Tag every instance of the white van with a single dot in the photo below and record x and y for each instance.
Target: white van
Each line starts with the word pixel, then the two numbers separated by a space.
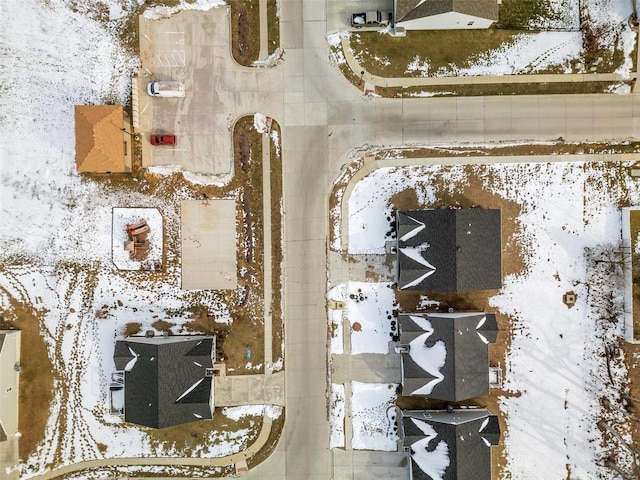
pixel 165 89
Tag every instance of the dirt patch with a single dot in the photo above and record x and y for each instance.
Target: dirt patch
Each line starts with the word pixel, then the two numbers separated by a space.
pixel 37 375
pixel 245 31
pixel 244 151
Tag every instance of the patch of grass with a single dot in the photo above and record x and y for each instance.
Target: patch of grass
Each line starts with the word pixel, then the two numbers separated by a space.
pixel 433 47
pixel 273 22
pixel 163 325
pixel 492 89
pixel 245 31
pixel 277 426
pixel 132 328
pixel 187 436
pixel 557 148
pixel 37 375
pixel 518 15
pixel 277 317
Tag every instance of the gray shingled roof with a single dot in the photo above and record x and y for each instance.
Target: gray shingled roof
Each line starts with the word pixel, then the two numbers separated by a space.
pixel 466 364
pixel 464 432
pixel 167 384
pixel 413 9
pixel 460 248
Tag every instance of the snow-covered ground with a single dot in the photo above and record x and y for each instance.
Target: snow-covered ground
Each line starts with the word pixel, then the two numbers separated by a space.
pixel 336 416
pixel 373 416
pixel 555 362
pixel 56 55
pixel 369 309
pixel 124 216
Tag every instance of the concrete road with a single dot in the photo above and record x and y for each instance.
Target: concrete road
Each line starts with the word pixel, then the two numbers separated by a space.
pixel 324 118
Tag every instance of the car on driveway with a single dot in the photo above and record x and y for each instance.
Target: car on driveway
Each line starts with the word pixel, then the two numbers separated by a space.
pixel 371 19
pixel 166 88
pixel 163 139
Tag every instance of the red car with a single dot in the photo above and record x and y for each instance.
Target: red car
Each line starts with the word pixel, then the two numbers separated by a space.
pixel 160 139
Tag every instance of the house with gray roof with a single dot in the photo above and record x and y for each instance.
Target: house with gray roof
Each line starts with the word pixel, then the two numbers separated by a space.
pixel 450 444
pixel 449 250
pixel 446 355
pixel 445 14
pixel 167 380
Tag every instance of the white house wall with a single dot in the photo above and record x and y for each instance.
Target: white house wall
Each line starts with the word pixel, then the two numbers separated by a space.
pixel 446 21
pixel 9 357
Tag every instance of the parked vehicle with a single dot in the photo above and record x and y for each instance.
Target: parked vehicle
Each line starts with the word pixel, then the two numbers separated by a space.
pixel 371 19
pixel 165 88
pixel 162 139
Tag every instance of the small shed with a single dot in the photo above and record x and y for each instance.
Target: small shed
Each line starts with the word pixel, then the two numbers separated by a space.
pixel 103 141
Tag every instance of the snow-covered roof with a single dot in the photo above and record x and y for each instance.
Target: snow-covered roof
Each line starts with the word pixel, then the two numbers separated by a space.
pixel 448 356
pixel 449 250
pixel 450 445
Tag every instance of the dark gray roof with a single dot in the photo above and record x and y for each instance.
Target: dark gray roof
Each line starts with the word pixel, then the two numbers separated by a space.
pixel 466 434
pixel 413 9
pixel 465 373
pixel 449 250
pixel 167 385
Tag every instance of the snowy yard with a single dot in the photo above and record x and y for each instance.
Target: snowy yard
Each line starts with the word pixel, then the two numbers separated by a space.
pixel 48 212
pixel 373 416
pixel 555 362
pixel 551 43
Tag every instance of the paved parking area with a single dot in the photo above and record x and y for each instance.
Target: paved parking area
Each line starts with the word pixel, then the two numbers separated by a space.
pixel 194 49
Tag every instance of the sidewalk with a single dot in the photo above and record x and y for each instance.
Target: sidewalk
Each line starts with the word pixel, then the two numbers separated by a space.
pixel 378 81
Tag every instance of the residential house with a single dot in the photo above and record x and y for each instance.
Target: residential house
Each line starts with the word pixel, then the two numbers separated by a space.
pixel 445 14
pixel 103 141
pixel 167 380
pixel 449 250
pixel 9 382
pixel 450 444
pixel 446 355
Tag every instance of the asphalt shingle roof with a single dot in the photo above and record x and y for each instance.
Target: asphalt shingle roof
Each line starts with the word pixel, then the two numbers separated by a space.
pixel 466 433
pixel 449 250
pixel 413 9
pixel 167 385
pixel 466 365
pixel 99 138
